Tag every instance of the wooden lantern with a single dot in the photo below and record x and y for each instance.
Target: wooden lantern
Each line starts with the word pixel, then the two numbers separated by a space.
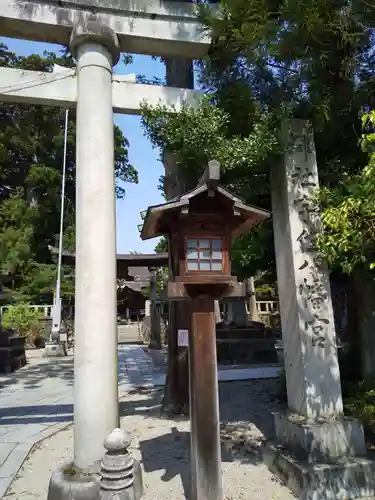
pixel 200 226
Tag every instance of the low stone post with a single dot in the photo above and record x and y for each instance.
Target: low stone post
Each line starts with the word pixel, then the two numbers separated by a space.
pixel 254 315
pixel 218 318
pixel 237 313
pixel 155 334
pixel 120 473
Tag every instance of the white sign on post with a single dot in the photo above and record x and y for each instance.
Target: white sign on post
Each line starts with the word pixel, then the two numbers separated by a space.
pixel 63 337
pixel 183 338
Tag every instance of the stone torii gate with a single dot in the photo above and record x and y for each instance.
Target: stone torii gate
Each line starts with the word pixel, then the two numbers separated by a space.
pixel 96 32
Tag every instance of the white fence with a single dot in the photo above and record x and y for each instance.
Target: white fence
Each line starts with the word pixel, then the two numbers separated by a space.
pixel 46 310
pixel 268 312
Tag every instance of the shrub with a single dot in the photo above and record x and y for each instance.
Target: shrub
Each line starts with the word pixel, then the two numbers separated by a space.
pixel 359 402
pixel 24 319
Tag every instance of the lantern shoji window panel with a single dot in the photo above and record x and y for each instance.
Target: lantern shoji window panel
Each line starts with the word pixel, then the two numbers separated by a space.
pixel 204 254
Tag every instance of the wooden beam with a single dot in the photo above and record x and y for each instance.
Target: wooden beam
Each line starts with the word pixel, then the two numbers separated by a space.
pixel 205 459
pixel 60 89
pixel 176 291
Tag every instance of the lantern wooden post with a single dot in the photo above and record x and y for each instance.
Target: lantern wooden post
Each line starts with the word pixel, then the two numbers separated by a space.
pixel 204 402
pixel 200 225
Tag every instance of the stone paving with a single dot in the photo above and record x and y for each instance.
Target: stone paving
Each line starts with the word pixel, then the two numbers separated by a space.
pixel 37 401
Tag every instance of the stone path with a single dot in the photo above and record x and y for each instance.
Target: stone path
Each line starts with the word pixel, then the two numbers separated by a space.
pixel 162 447
pixel 37 401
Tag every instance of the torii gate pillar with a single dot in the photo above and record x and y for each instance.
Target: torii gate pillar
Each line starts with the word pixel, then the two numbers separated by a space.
pixel 96 50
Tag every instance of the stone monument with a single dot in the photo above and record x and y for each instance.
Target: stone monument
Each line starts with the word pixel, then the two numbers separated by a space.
pixel 318 452
pixel 237 313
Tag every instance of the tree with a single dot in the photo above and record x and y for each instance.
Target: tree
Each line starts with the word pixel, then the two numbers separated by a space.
pixel 348 243
pixel 31 159
pixel 310 59
pixel 348 240
pixel 198 135
pixel 314 59
pixel 315 56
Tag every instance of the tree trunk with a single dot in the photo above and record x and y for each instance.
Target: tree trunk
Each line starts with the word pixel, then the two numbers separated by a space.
pixel 176 390
pixel 365 341
pixel 345 303
pixel 179 73
pixel 353 369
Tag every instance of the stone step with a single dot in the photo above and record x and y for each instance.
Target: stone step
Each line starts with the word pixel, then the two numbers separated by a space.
pixel 352 478
pixel 128 334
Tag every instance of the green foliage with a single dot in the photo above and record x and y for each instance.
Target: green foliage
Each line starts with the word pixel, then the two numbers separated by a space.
pixel 359 402
pixel 348 239
pixel 31 160
pixel 266 289
pixel 161 280
pixel 250 254
pixel 16 232
pixel 197 135
pixel 162 245
pixel 24 319
pixel 311 59
pixel 315 56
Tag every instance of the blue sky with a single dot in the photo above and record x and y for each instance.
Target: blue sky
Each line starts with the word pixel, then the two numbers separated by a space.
pixel 142 156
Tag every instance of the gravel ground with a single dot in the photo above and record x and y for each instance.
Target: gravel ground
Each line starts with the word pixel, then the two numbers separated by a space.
pixel 162 446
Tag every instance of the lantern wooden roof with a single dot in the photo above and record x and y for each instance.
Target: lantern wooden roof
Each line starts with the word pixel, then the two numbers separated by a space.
pixel 157 218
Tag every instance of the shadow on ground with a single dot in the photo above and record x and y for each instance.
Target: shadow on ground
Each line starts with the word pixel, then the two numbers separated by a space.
pixel 38 414
pixel 132 370
pixel 49 400
pixel 33 375
pixel 246 415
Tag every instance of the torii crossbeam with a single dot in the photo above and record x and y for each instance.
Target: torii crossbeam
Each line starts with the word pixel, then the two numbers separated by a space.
pixel 161 28
pixel 60 89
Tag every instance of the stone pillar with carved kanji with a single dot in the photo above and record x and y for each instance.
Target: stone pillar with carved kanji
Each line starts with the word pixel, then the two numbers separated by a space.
pixel 314 427
pixel 313 376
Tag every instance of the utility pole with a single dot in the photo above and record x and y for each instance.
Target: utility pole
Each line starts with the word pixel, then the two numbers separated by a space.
pixel 54 347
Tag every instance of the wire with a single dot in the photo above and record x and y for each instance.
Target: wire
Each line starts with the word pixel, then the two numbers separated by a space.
pixel 62 203
pixel 56 319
